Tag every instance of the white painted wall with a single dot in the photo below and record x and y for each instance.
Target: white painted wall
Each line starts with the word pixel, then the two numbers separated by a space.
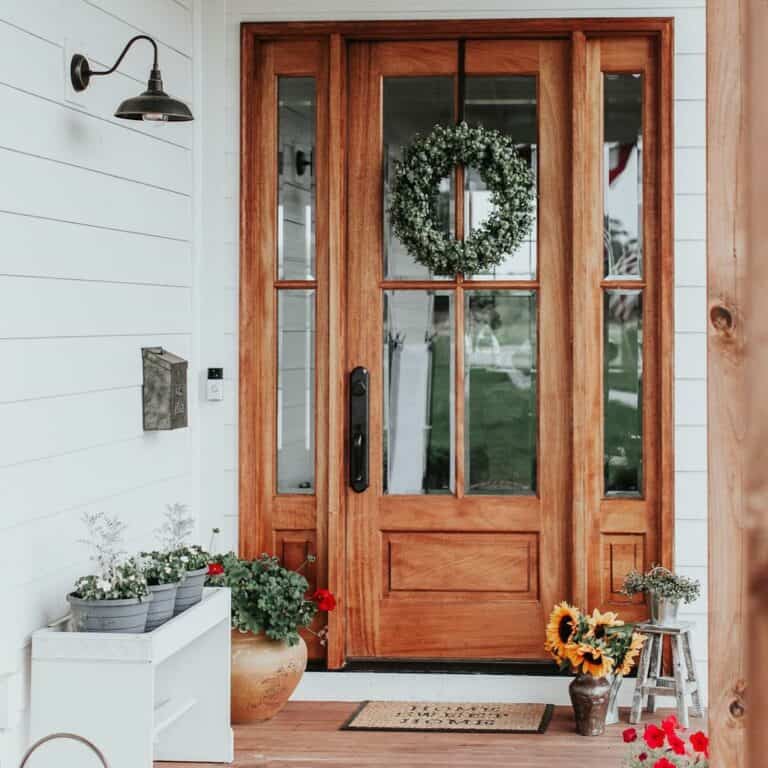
pixel 220 224
pixel 97 260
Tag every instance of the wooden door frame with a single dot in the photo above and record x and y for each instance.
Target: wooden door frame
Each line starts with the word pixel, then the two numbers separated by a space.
pixel 330 507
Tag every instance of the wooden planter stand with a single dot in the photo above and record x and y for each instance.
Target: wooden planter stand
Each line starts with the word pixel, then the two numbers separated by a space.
pixel 162 695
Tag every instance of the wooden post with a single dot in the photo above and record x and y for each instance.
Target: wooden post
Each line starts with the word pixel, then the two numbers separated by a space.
pixel 755 152
pixel 728 162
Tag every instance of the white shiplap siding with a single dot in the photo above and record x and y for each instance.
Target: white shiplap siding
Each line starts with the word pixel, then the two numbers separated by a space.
pixel 96 262
pixel 221 161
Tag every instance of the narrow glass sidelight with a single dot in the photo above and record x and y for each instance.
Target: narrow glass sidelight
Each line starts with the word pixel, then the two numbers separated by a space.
pixel 623 175
pixel 296 391
pixel 623 392
pixel 500 384
pixel 507 104
pixel 418 364
pixel 296 178
pixel 412 106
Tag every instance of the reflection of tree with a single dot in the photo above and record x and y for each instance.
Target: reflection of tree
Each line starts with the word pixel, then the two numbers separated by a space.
pixel 621 251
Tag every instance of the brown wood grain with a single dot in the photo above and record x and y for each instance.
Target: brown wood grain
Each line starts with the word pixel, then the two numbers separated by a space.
pixel 306 735
pixel 728 163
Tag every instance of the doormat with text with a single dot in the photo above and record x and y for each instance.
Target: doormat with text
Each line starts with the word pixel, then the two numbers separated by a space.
pixel 450 716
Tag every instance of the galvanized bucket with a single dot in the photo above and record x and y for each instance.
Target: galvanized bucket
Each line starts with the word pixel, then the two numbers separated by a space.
pixel 129 615
pixel 71 737
pixel 190 590
pixel 162 605
pixel 663 610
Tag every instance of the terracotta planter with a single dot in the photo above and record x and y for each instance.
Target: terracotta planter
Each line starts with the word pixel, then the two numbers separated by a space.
pixel 264 675
pixel 590 696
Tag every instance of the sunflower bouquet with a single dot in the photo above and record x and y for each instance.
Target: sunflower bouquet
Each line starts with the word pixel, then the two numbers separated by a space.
pixel 597 645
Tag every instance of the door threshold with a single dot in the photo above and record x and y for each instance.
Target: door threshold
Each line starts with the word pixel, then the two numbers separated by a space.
pixel 459 667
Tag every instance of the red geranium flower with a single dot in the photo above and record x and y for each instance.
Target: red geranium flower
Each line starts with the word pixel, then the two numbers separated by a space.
pixel 669 725
pixel 676 743
pixel 629 735
pixel 215 569
pixel 663 763
pixel 324 599
pixel 654 737
pixel 642 757
pixel 700 742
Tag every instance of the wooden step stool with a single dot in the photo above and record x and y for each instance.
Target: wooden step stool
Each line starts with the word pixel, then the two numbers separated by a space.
pixel 651 682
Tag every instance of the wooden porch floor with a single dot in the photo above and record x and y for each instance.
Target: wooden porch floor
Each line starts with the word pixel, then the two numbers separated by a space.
pixel 306 734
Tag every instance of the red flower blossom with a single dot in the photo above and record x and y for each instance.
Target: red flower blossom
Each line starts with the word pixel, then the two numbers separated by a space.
pixel 669 725
pixel 700 742
pixel 629 735
pixel 654 737
pixel 215 569
pixel 676 743
pixel 663 763
pixel 324 599
pixel 642 757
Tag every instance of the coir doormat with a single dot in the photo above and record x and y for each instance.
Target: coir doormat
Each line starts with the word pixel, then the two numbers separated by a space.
pixel 449 717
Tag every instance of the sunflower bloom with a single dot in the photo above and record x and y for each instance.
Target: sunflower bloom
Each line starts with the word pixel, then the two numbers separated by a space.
pixel 631 655
pixel 591 660
pixel 562 625
pixel 599 623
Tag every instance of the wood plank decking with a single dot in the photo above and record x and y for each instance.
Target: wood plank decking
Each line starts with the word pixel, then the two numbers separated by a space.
pixel 305 734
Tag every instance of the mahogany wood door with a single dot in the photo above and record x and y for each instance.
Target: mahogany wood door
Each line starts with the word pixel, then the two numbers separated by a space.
pixel 460 545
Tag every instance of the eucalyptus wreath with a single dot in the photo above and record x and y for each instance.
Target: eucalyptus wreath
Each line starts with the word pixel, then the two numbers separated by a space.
pixel 413 206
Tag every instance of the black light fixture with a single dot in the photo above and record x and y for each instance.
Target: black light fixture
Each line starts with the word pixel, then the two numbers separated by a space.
pixel 153 105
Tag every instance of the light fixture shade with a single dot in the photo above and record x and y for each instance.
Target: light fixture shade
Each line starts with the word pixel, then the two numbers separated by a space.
pixel 154 105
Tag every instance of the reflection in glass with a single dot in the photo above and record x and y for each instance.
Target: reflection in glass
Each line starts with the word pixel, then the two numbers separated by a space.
pixel 506 104
pixel 296 391
pixel 296 179
pixel 418 392
pixel 500 392
pixel 623 175
pixel 413 105
pixel 623 392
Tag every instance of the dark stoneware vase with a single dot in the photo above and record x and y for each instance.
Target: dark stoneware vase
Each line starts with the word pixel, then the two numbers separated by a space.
pixel 590 696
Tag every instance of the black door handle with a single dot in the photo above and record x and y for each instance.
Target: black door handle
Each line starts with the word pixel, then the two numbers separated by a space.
pixel 358 429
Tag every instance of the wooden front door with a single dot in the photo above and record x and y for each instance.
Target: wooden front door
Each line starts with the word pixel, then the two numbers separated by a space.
pixel 460 544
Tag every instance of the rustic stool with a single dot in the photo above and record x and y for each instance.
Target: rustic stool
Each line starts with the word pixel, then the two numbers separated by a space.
pixel 651 682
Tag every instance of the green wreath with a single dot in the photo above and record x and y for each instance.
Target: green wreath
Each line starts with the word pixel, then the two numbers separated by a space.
pixel 413 205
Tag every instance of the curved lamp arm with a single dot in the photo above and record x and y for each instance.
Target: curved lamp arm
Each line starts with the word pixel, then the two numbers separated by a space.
pixel 81 72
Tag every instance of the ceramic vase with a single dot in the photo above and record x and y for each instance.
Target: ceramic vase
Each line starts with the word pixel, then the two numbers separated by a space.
pixel 589 696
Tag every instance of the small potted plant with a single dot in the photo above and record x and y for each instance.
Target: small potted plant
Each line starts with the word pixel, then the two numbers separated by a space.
pixel 269 607
pixel 665 590
pixel 598 649
pixel 116 597
pixel 666 746
pixel 164 573
pixel 173 535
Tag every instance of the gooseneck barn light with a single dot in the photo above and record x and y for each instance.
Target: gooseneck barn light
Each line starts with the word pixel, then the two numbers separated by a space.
pixel 153 105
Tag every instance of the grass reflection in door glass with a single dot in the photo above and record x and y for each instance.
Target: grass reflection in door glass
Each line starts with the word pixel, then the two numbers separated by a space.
pixel 500 392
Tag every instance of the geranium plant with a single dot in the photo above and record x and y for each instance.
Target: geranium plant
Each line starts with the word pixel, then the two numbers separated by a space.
pixel 115 576
pixel 597 645
pixel 266 597
pixel 664 583
pixel 666 746
pixel 162 567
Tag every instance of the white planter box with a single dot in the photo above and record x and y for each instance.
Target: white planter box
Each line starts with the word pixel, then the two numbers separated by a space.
pixel 162 695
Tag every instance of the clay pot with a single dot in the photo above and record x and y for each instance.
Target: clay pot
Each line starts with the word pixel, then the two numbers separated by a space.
pixel 590 696
pixel 264 675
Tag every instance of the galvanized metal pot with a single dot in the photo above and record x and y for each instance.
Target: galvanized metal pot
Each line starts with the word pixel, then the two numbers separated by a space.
pixel 664 610
pixel 129 615
pixel 162 606
pixel 589 696
pixel 190 591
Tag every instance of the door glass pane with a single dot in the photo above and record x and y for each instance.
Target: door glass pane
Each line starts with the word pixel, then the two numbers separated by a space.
pixel 500 392
pixel 296 391
pixel 418 392
pixel 413 105
pixel 623 175
pixel 296 179
pixel 506 104
pixel 623 392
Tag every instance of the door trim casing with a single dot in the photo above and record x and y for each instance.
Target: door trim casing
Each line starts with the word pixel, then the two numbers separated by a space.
pixel 331 527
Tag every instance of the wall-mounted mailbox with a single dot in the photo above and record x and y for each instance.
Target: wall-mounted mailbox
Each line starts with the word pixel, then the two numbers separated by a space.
pixel 165 389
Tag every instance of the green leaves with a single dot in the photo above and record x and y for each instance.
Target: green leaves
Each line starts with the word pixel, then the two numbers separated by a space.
pixel 265 596
pixel 413 209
